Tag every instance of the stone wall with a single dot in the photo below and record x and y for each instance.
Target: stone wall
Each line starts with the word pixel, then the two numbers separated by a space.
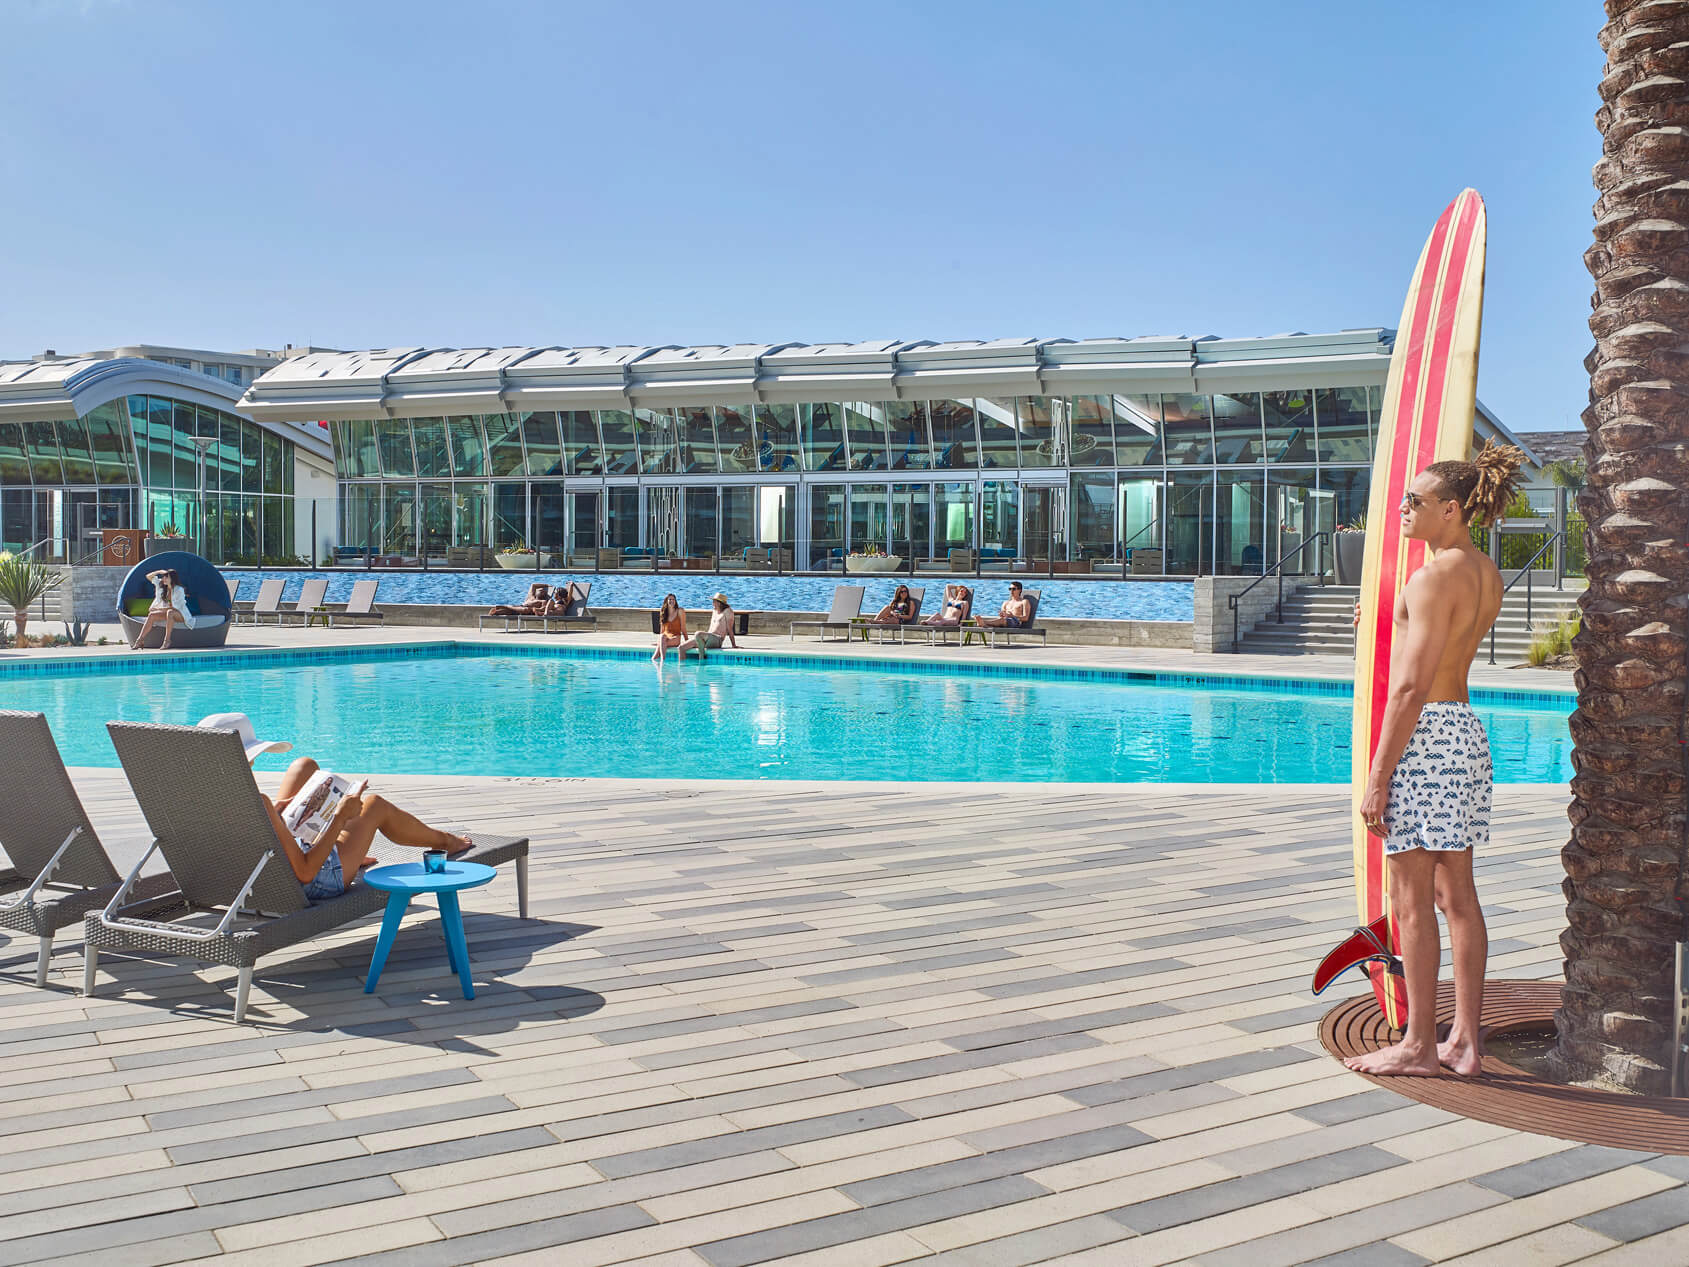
pixel 90 593
pixel 1212 628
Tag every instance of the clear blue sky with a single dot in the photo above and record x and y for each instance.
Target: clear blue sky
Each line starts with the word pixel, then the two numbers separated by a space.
pixel 373 174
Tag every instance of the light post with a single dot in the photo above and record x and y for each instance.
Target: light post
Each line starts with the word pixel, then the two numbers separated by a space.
pixel 202 444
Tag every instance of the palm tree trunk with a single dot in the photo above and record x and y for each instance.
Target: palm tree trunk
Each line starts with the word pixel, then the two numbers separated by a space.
pixel 1625 863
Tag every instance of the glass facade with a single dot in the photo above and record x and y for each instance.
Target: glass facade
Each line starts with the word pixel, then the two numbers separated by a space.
pixel 1159 484
pixel 136 462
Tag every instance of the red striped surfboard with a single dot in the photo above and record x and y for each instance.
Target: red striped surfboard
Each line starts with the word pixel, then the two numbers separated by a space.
pixel 1429 400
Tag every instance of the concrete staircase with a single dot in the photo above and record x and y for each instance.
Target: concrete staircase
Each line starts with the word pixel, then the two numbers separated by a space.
pixel 1318 621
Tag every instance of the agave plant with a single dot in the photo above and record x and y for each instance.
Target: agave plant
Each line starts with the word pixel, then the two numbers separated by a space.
pixel 22 581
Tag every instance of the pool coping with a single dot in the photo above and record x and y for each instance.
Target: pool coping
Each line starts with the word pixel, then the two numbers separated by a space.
pixel 455 648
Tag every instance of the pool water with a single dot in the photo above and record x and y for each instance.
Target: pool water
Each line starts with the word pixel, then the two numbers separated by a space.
pixel 472 709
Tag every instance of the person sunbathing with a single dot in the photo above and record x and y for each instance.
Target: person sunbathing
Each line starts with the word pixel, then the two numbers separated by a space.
pixel 722 622
pixel 671 626
pixel 327 865
pixel 958 601
pixel 533 605
pixel 1015 613
pixel 900 611
pixel 562 598
pixel 169 608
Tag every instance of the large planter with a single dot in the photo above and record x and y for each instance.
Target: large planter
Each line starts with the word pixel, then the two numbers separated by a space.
pixel 1350 551
pixel 517 562
pixel 873 563
pixel 159 545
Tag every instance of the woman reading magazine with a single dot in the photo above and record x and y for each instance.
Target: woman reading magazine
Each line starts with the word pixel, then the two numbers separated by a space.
pixel 326 825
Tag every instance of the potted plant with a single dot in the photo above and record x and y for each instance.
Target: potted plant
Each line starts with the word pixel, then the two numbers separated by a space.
pixel 1349 549
pixel 517 558
pixel 167 536
pixel 22 582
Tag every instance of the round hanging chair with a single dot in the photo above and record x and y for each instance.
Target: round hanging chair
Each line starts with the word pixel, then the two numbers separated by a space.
pixel 209 601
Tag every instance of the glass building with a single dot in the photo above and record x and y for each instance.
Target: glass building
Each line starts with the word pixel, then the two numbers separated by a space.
pixel 89 443
pixel 1115 456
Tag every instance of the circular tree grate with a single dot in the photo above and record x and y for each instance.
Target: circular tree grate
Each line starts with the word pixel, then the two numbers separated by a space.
pixel 1514 1097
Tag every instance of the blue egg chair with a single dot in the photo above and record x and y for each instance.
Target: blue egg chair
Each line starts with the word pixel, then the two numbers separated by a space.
pixel 209 601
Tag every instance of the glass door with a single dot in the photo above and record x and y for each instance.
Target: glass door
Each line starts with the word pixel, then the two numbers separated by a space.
pixel 550 518
pixel 1043 526
pixel 584 528
pixel 911 523
pixel 1190 520
pixel 1140 524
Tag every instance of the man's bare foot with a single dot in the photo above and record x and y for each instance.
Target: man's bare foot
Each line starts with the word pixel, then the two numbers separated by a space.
pixel 1398 1060
pixel 1463 1057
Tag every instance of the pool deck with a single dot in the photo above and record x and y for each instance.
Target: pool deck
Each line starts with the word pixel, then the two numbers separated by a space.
pixel 808 1024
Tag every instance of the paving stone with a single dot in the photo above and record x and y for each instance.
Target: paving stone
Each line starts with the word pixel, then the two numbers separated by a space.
pixel 1551 1171
pixel 717 1146
pixel 1264 1185
pixel 1351 1107
pixel 1643 1217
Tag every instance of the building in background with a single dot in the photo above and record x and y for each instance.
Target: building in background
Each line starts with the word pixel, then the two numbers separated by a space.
pixel 1158 456
pixel 98 442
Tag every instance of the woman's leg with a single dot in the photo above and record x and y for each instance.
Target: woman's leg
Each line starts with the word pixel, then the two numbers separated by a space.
pixel 146 628
pixel 172 618
pixel 378 814
pixel 295 778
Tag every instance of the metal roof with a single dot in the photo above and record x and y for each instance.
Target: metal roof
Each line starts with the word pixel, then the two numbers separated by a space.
pixel 403 382
pixel 36 391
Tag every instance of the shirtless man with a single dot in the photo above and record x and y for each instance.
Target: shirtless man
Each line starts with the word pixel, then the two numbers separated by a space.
pixel 722 620
pixel 1013 614
pixel 1428 791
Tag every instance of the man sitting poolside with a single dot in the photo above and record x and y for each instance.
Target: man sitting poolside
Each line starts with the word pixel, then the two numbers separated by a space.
pixel 533 605
pixel 1015 613
pixel 721 630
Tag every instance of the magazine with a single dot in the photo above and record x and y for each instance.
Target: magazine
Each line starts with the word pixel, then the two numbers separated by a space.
pixel 309 813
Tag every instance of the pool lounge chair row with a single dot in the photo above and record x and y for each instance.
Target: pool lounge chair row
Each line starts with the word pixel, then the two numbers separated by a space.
pixel 229 897
pixel 360 605
pixel 846 615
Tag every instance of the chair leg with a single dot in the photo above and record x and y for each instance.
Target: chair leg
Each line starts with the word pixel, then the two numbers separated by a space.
pixel 42 955
pixel 522 887
pixel 90 959
pixel 243 991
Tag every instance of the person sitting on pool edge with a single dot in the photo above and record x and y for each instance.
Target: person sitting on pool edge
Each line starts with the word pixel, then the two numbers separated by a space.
pixel 538 596
pixel 958 602
pixel 900 611
pixel 723 620
pixel 1015 612
pixel 327 865
pixel 671 626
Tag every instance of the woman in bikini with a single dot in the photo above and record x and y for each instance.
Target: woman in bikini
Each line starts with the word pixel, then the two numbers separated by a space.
pixel 900 611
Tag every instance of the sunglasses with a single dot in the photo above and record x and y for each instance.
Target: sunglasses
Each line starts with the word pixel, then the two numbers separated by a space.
pixel 1413 501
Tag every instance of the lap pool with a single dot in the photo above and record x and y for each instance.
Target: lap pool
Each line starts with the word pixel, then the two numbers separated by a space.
pixel 469 708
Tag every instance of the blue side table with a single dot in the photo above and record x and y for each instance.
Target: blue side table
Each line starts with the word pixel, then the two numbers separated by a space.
pixel 405 880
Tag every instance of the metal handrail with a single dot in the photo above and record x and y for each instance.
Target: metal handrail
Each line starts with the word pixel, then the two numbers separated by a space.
pixel 1278 569
pixel 1530 564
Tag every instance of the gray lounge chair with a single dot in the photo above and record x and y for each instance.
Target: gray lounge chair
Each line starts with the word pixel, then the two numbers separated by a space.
pixel 57 858
pixel 847 606
pixel 1030 629
pixel 310 599
pixel 268 602
pixel 360 605
pixel 943 632
pixel 235 898
pixel 917 596
pixel 575 615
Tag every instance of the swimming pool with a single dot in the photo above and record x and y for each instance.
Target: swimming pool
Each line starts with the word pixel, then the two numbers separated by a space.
pixel 470 708
pixel 1068 600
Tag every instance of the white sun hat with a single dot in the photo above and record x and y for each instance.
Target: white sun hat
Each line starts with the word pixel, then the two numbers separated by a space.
pixel 241 724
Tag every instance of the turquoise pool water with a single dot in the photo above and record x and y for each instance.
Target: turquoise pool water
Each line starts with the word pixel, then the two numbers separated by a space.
pixel 475 709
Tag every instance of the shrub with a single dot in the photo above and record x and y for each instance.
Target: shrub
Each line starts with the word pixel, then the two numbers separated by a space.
pixel 1556 640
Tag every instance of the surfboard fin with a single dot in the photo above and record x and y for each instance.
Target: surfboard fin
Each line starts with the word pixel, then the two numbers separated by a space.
pixel 1368 944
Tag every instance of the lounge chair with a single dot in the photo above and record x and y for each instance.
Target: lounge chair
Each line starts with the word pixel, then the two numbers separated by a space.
pixel 234 897
pixel 360 605
pixel 57 858
pixel 847 606
pixel 310 600
pixel 917 595
pixel 943 632
pixel 1030 629
pixel 575 615
pixel 268 602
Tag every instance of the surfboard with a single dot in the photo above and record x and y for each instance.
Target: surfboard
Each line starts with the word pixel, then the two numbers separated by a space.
pixel 1430 396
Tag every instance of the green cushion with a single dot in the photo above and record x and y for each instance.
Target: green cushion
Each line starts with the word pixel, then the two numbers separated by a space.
pixel 138 607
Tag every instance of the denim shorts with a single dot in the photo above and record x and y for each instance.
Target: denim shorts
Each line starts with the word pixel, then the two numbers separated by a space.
pixel 329 882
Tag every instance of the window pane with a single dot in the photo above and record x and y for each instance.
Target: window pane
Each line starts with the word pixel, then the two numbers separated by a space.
pixel 539 434
pixel 868 518
pixel 865 425
pixel 697 440
pixel 1091 438
pixel 432 459
pixel 1137 429
pixel 621 516
pixel 108 437
pixel 826 525
pixel 998 429
pixel 467 446
pixel 700 539
pixel 78 458
pixel 469 514
pixel 655 428
pixel 733 434
pixel 156 462
pixel 911 520
pixel 228 458
pixel 42 440
pixel 621 453
pixel 1037 423
pixel 1187 439
pixel 272 462
pixel 906 424
pixel 777 437
pixel 1190 523
pixel 398 518
pixel 999 519
pixel 1340 415
pixel 953 518
pixel 504 444
pixel 953 442
pixel 14 462
pixel 185 426
pixel 287 467
pixel 822 425
pixel 1290 425
pixel 1291 518
pixel 580 443
pixel 510 515
pixel 1091 503
pixel 361 455
pixel 251 474
pixel 393 438
pixel 1140 522
pixel 738 521
pixel 1240 522
pixel 1237 428
pixel 548 513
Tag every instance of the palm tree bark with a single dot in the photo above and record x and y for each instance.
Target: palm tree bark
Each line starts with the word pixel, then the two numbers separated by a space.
pixel 1625 864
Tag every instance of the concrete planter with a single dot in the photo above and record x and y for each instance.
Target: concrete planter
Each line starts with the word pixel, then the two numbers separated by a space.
pixel 1350 549
pixel 873 563
pixel 158 545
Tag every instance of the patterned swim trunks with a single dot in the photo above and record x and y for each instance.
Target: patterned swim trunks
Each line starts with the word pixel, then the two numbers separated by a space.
pixel 1441 789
